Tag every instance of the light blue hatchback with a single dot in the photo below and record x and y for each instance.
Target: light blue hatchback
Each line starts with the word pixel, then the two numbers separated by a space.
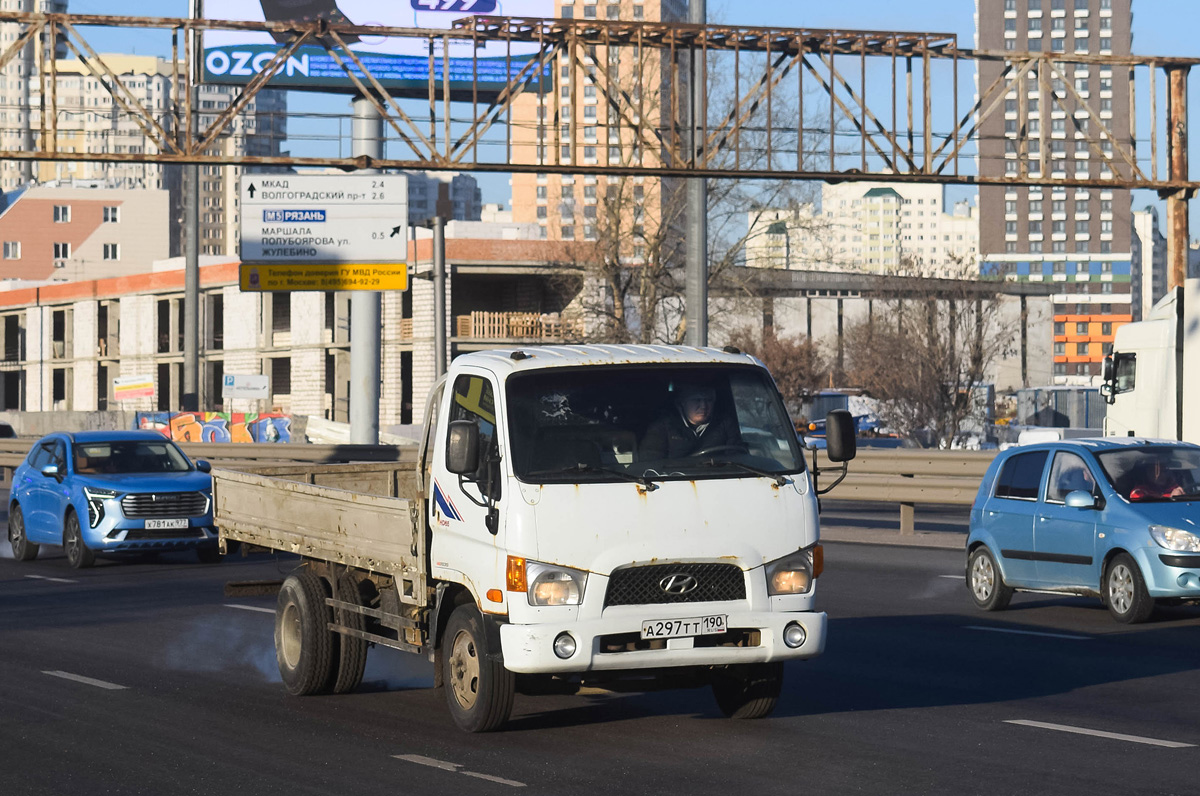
pixel 1116 517
pixel 110 492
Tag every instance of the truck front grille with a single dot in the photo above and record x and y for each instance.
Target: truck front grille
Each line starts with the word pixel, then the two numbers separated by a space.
pixel 645 585
pixel 164 504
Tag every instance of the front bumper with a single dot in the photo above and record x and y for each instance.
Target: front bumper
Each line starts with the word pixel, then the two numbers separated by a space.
pixel 612 643
pixel 130 536
pixel 1170 574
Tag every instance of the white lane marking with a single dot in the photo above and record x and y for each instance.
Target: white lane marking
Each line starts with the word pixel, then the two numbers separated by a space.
pixel 257 608
pixel 88 681
pixel 953 577
pixel 429 761
pixel 1116 736
pixel 457 769
pixel 52 580
pixel 500 780
pixel 1027 632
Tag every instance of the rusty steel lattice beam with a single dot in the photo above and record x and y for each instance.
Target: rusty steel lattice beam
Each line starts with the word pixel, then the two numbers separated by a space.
pixel 781 104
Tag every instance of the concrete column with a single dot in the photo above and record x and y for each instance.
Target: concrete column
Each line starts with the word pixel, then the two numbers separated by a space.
pixel 367 139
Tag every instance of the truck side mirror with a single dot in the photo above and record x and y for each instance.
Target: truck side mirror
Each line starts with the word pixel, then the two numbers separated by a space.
pixel 462 447
pixel 203 466
pixel 840 444
pixel 1107 369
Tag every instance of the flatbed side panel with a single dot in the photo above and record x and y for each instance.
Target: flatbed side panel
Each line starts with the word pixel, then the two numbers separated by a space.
pixel 375 533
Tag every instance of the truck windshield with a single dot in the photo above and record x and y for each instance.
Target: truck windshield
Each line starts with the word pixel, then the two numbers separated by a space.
pixel 649 423
pixel 1156 472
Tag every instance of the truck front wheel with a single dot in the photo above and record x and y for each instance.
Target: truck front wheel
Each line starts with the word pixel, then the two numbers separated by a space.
pixel 304 645
pixel 479 690
pixel 749 690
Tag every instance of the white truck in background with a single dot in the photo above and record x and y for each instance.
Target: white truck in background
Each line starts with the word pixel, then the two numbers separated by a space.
pixel 1151 384
pixel 540 543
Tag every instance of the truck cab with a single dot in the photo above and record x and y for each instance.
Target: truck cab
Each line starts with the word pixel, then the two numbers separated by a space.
pixel 1153 362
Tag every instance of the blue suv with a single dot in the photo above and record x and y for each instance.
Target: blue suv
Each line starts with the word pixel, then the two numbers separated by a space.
pixel 1117 518
pixel 110 492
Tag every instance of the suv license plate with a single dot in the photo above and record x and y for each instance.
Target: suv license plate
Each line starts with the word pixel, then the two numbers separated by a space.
pixel 158 525
pixel 679 628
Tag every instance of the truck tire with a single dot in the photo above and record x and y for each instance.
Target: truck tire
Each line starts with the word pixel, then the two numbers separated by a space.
pixel 479 690
pixel 22 548
pixel 748 690
pixel 304 644
pixel 351 659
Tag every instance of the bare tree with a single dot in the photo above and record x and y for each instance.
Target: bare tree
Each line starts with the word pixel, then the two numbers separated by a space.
pixel 927 362
pixel 798 364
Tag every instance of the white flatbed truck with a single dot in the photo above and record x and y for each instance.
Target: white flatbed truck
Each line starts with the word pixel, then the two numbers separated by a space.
pixel 541 539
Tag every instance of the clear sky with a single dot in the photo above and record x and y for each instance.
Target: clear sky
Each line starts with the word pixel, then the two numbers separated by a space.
pixel 1160 27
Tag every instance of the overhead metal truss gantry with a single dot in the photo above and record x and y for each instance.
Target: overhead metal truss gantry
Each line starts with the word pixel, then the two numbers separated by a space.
pixel 782 104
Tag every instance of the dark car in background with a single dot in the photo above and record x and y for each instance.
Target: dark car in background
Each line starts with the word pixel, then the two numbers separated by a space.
pixel 110 492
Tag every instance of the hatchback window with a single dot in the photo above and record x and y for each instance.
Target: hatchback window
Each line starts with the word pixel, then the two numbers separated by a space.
pixel 1157 472
pixel 1021 475
pixel 1068 474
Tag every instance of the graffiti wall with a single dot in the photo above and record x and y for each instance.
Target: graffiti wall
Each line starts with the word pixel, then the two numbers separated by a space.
pixel 218 426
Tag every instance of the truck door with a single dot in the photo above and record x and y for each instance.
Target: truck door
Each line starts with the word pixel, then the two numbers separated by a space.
pixel 1064 538
pixel 460 505
pixel 1009 513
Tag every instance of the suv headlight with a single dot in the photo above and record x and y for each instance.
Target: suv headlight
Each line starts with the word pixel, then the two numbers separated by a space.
pixel 1175 538
pixel 795 572
pixel 550 584
pixel 95 502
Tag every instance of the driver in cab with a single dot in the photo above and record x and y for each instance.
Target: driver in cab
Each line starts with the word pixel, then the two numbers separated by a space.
pixel 691 425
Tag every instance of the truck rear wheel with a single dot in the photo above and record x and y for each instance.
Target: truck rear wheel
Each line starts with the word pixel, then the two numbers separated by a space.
pixel 479 690
pixel 304 645
pixel 748 691
pixel 351 659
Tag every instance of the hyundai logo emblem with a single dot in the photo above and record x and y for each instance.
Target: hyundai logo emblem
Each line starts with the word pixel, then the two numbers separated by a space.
pixel 678 583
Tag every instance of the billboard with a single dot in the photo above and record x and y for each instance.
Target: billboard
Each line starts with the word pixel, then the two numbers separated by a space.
pixel 400 64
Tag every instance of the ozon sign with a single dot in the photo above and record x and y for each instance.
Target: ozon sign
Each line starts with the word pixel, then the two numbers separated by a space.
pixel 244 63
pixel 400 63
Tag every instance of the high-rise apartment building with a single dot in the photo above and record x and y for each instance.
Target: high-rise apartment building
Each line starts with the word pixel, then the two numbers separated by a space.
pixel 18 81
pixel 1149 278
pixel 91 121
pixel 1079 237
pixel 874 227
pixel 629 211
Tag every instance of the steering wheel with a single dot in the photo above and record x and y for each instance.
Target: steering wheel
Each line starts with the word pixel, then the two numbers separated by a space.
pixel 739 447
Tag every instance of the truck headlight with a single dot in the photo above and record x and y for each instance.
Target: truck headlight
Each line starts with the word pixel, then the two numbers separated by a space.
pixel 795 572
pixel 95 503
pixel 550 584
pixel 1175 538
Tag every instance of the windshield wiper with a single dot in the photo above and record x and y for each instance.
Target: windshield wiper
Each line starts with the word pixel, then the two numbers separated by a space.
pixel 780 479
pixel 584 467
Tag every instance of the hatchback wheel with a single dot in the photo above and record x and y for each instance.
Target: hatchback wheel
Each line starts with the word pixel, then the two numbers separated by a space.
pixel 1125 591
pixel 78 554
pixel 987 587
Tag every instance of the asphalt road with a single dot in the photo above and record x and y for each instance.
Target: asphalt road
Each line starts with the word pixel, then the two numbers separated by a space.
pixel 144 678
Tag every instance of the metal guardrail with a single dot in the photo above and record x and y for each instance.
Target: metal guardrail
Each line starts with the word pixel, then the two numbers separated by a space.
pixel 904 477
pixel 909 477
